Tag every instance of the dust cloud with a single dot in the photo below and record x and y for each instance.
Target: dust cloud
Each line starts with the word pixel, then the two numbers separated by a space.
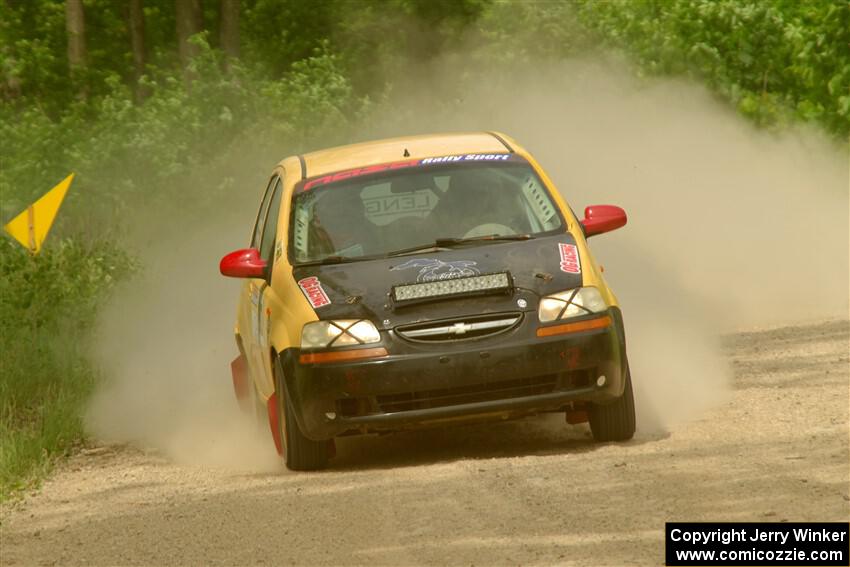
pixel 165 345
pixel 729 227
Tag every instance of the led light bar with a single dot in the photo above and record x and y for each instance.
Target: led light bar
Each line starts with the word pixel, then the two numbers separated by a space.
pixel 454 286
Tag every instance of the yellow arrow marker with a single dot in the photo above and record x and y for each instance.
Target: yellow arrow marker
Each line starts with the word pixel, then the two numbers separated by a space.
pixel 30 228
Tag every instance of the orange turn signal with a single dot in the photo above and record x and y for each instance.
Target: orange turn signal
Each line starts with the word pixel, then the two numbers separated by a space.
pixel 341 355
pixel 587 325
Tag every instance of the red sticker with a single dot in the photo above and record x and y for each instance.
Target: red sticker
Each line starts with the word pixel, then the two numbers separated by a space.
pixel 569 258
pixel 314 292
pixel 357 172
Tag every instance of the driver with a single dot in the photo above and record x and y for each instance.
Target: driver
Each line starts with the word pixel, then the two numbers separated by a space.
pixel 478 203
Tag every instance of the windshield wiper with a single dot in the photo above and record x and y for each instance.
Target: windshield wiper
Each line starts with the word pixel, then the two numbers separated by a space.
pixel 327 260
pixel 487 238
pixel 413 249
pixel 452 242
pixel 438 244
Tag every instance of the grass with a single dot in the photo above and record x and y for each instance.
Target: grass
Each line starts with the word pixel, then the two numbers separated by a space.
pixel 41 414
pixel 48 304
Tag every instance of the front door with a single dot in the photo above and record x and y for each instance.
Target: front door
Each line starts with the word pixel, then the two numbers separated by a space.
pixel 259 359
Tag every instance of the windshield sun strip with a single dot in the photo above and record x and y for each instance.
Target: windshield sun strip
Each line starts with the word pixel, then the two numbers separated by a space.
pixel 381 169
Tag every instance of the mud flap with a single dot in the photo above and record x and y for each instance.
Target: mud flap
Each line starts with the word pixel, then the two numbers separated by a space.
pixel 577 414
pixel 574 417
pixel 241 383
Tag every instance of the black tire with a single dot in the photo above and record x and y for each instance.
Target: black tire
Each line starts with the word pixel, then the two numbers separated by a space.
pixel 615 421
pixel 299 452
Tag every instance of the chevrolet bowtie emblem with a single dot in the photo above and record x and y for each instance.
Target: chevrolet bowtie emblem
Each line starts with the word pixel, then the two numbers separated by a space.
pixel 460 328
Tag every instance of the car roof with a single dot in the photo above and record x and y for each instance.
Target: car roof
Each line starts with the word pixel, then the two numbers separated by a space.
pixel 399 149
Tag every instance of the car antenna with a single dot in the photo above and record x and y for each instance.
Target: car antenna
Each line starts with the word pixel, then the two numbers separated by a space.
pixel 406 153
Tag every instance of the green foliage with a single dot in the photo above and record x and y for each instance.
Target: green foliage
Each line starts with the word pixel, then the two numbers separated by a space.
pixel 277 34
pixel 48 304
pixel 775 60
pixel 32 46
pixel 524 32
pixel 123 152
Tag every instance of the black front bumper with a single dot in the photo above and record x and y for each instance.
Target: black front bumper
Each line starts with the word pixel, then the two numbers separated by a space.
pixel 513 374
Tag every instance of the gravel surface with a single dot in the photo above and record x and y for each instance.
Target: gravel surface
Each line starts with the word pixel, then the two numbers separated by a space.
pixel 521 493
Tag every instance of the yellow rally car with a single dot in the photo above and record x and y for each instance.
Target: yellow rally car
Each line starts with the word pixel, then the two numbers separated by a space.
pixel 422 281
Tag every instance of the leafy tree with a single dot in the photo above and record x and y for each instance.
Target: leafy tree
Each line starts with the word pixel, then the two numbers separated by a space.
pixel 775 60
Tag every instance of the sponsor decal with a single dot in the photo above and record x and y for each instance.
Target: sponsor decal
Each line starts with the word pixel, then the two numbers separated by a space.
pixel 314 292
pixel 467 157
pixel 436 270
pixel 569 258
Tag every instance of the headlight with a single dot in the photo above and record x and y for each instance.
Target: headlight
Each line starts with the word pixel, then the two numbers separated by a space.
pixel 341 332
pixel 571 303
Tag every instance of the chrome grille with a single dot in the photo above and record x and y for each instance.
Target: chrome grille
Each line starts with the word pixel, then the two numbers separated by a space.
pixel 461 328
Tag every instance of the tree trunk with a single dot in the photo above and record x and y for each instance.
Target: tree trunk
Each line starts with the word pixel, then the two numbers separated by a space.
pixel 137 43
pixel 189 22
pixel 75 25
pixel 230 29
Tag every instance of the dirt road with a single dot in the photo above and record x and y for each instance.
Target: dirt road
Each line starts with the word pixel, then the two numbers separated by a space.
pixel 532 492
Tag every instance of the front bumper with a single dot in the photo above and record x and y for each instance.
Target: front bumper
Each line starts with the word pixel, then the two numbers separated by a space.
pixel 419 385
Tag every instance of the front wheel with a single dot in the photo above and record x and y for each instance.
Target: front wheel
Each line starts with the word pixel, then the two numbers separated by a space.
pixel 299 452
pixel 615 421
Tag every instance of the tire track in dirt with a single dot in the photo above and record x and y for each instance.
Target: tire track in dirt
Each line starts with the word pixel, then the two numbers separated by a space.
pixel 529 492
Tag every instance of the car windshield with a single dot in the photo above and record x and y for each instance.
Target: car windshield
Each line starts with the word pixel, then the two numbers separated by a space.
pixel 400 208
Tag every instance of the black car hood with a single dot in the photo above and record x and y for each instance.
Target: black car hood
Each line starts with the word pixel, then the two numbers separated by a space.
pixel 361 290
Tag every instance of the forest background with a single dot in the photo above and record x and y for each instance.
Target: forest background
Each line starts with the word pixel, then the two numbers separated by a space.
pixel 144 98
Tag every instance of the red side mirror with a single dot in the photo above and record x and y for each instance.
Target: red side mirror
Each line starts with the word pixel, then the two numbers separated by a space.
pixel 602 218
pixel 244 263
